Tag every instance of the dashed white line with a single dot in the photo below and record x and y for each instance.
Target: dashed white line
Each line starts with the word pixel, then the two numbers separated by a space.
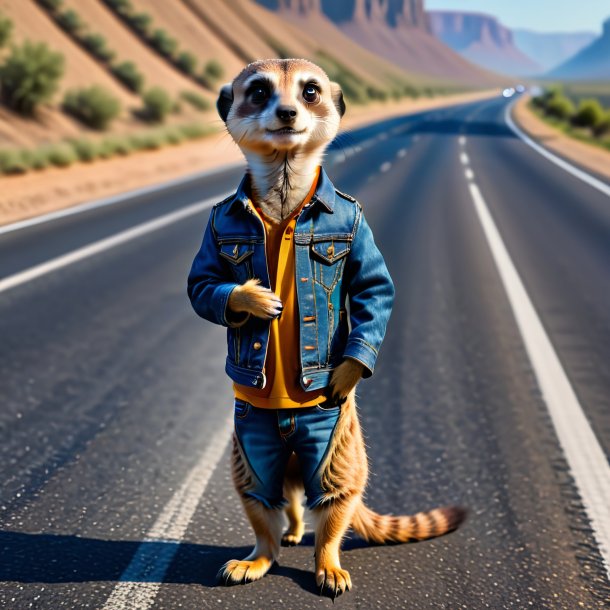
pixel 385 166
pixel 464 158
pixel 469 174
pixel 140 582
pixel 583 452
pixel 401 153
pixel 105 244
pixel 462 140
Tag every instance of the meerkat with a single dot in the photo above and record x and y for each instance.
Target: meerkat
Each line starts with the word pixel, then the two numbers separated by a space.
pixel 283 114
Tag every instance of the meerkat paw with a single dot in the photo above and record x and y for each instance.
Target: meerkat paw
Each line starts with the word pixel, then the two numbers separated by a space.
pixel 293 536
pixel 333 581
pixel 256 300
pixel 236 572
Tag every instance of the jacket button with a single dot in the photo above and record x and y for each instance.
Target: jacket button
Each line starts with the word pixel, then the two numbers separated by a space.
pixel 255 381
pixel 257 345
pixel 306 381
pixel 330 250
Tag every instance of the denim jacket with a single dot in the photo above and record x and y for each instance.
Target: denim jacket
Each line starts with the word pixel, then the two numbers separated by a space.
pixel 344 291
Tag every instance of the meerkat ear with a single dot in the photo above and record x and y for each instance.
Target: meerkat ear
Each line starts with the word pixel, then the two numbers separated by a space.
pixel 225 101
pixel 337 96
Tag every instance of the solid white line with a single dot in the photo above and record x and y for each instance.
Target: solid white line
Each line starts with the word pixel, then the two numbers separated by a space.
pixel 469 174
pixel 105 244
pixel 568 167
pixel 583 452
pixel 464 158
pixel 99 203
pixel 385 166
pixel 140 582
pixel 462 140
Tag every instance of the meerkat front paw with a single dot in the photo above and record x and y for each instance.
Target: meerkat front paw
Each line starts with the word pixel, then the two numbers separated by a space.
pixel 255 299
pixel 236 572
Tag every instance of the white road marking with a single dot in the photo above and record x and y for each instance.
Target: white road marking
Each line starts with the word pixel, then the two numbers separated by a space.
pixel 401 153
pixel 462 140
pixel 583 452
pixel 140 582
pixel 568 167
pixel 105 244
pixel 464 158
pixel 99 203
pixel 469 174
pixel 385 166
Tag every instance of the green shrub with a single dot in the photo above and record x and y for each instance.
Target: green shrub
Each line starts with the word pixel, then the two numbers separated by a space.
pixel 379 94
pixel 70 21
pixel 13 162
pixel 150 140
pixel 6 29
pixel 37 159
pixel 30 76
pixel 157 104
pixel 192 131
pixel 164 43
pixel 128 73
pixel 187 62
pixel 213 70
pixel 94 106
pixel 52 5
pixel 588 114
pixel 140 22
pixel 61 155
pixel 559 107
pixel 115 145
pixel 124 7
pixel 603 126
pixel 96 43
pixel 86 150
pixel 196 100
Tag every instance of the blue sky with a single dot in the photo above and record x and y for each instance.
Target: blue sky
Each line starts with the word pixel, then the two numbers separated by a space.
pixel 540 15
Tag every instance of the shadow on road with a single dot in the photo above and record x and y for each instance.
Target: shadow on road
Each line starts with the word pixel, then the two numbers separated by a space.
pixel 465 128
pixel 55 558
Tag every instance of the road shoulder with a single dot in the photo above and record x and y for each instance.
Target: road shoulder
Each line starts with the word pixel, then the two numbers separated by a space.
pixel 587 156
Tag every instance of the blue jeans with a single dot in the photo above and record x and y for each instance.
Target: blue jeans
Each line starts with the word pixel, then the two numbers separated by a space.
pixel 268 437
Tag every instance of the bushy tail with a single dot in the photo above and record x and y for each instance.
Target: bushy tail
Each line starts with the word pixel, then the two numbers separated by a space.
pixel 380 529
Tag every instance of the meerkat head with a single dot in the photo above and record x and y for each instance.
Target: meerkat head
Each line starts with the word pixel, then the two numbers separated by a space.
pixel 284 105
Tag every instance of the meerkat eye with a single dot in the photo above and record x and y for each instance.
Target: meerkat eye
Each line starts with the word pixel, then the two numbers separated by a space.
pixel 259 94
pixel 311 93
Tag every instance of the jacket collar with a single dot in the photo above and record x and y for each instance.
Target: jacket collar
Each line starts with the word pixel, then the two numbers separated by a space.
pixel 324 194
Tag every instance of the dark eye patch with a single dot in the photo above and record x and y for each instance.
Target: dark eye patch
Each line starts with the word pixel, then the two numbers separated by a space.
pixel 259 91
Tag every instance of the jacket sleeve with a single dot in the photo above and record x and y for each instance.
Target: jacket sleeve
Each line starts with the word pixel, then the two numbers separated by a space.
pixel 208 285
pixel 371 296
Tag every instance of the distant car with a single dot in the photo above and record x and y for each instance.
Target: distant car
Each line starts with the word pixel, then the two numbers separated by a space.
pixel 509 92
pixel 520 88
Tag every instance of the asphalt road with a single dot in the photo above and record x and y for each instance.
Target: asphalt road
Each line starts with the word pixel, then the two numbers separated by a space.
pixel 112 391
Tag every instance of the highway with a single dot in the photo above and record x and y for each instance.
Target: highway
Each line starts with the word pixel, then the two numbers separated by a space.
pixel 115 416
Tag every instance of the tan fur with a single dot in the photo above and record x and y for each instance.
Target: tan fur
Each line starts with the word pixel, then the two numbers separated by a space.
pixel 255 299
pixel 282 170
pixel 282 167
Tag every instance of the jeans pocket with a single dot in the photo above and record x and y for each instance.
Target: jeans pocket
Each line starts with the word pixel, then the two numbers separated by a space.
pixel 242 409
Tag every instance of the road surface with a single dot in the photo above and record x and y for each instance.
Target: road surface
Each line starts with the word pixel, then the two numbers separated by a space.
pixel 115 489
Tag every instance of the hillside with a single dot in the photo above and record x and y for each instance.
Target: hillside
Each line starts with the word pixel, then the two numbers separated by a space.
pixel 398 31
pixel 592 63
pixel 483 40
pixel 549 49
pixel 155 37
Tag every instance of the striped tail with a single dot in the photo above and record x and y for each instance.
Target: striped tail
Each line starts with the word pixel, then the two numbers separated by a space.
pixel 380 529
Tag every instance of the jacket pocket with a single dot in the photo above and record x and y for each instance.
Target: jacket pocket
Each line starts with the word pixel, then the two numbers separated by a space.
pixel 239 255
pixel 328 257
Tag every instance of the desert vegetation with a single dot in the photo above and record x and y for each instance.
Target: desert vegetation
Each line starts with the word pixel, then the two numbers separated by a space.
pixel 587 120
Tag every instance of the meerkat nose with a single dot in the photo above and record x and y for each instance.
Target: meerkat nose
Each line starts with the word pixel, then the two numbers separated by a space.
pixel 286 114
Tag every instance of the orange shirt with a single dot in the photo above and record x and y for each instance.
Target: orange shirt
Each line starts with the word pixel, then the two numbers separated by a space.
pixel 282 364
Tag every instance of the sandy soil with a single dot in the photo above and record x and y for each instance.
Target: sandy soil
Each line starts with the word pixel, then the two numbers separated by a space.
pixel 590 156
pixel 42 192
